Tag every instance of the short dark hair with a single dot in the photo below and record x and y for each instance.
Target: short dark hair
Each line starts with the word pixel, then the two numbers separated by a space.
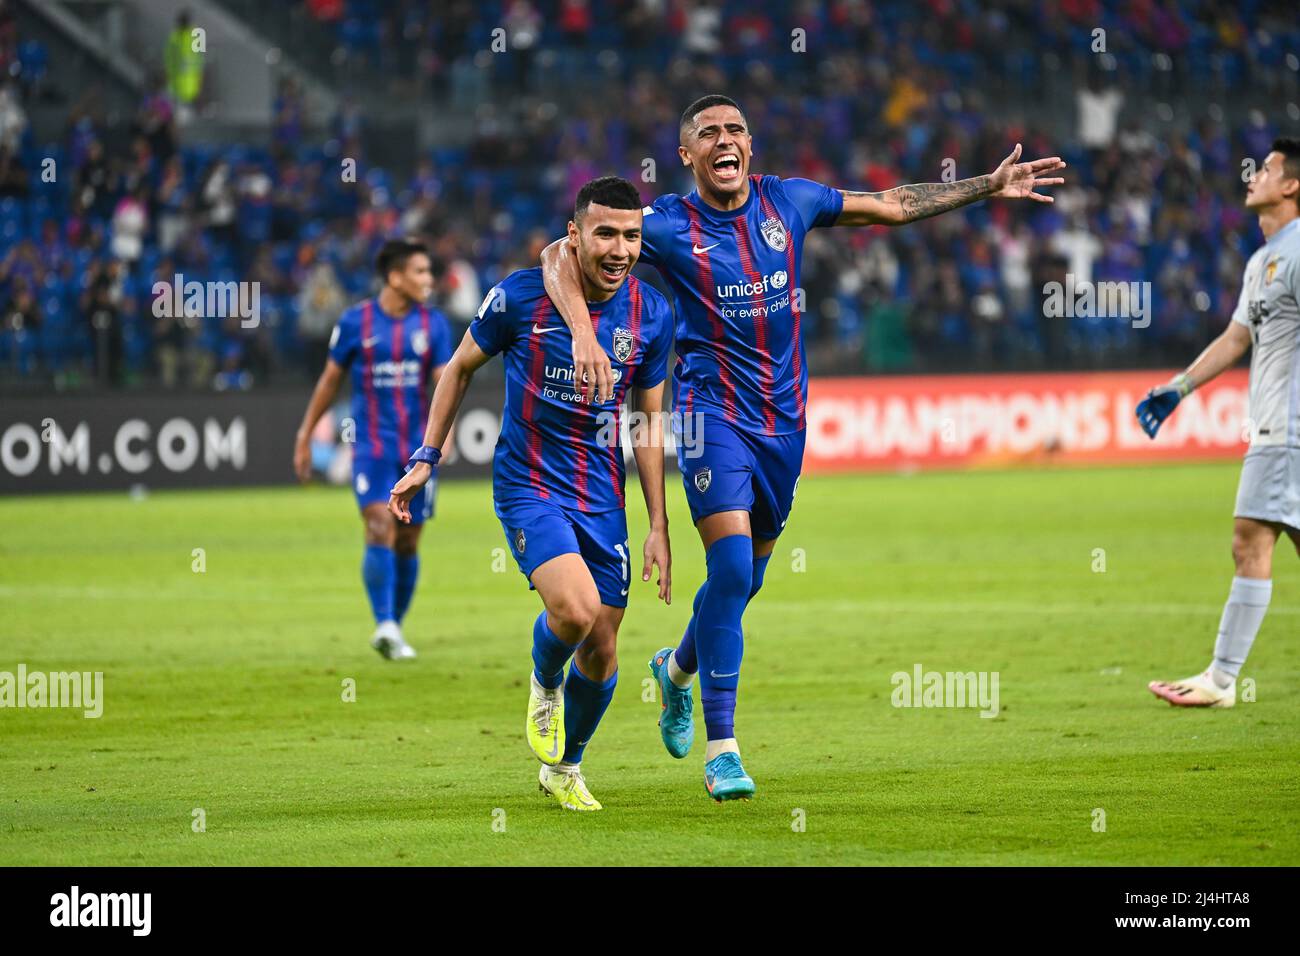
pixel 611 191
pixel 394 253
pixel 704 103
pixel 1289 147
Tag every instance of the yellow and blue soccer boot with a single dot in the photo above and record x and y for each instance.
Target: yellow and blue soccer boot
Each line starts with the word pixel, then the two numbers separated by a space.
pixel 545 724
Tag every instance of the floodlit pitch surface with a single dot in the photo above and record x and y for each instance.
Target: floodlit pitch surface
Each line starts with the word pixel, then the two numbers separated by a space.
pixel 226 739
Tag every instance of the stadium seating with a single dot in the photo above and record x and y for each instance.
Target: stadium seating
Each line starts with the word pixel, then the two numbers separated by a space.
pixel 845 121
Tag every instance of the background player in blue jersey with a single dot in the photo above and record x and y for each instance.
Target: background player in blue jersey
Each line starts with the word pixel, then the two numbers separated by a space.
pixel 558 475
pixel 396 347
pixel 730 252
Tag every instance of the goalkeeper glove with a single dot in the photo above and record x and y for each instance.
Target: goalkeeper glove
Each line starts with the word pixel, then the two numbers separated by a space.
pixel 1161 402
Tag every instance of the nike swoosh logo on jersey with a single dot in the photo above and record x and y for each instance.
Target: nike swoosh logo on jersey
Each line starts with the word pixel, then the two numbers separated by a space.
pixel 370 342
pixel 538 330
pixel 699 252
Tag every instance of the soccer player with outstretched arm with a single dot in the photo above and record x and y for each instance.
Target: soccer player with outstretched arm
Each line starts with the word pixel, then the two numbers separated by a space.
pixel 730 252
pixel 395 346
pixel 1266 320
pixel 558 473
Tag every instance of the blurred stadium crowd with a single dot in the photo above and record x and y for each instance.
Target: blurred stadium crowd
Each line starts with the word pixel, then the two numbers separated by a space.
pixel 884 96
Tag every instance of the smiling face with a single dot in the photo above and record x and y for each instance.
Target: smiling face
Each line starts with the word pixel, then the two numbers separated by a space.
pixel 1271 184
pixel 717 146
pixel 608 243
pixel 413 278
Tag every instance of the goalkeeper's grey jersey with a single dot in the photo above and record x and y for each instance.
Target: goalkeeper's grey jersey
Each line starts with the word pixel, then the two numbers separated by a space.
pixel 1270 307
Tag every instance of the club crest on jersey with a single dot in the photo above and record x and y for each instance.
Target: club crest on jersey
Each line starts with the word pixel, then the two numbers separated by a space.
pixel 703 478
pixel 520 541
pixel 420 341
pixel 774 233
pixel 622 344
pixel 1270 270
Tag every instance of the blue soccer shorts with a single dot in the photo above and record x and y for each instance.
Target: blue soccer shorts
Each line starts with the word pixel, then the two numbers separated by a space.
pixel 373 479
pixel 539 531
pixel 727 467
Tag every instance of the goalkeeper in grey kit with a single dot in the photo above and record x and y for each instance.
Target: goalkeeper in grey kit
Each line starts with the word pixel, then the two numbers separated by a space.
pixel 1266 320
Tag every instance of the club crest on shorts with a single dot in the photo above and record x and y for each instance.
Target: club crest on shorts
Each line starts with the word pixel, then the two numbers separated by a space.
pixel 420 341
pixel 520 541
pixel 622 344
pixel 774 233
pixel 703 478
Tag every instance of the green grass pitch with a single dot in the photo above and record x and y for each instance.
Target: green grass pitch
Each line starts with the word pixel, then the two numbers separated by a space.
pixel 223 689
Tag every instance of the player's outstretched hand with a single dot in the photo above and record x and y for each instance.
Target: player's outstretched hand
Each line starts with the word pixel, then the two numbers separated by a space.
pixel 302 460
pixel 658 552
pixel 399 499
pixel 591 367
pixel 1016 180
pixel 1156 407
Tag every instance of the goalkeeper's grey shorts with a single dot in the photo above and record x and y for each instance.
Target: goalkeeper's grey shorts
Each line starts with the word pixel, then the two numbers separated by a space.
pixel 1270 485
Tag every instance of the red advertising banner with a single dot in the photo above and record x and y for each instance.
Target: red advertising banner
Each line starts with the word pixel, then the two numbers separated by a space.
pixel 972 421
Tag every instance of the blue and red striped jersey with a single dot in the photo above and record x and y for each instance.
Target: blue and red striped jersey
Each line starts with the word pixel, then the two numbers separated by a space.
pixel 392 361
pixel 734 277
pixel 553 446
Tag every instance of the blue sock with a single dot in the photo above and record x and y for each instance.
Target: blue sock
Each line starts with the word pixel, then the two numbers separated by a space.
pixel 550 654
pixel 685 654
pixel 585 702
pixel 760 568
pixel 718 637
pixel 378 569
pixel 408 570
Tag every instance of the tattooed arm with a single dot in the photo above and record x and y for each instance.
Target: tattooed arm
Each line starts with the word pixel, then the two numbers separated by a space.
pixel 910 203
pixel 904 204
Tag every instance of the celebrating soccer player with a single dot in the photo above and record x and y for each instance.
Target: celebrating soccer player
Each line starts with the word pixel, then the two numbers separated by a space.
pixel 1267 319
pixel 396 346
pixel 558 475
pixel 730 251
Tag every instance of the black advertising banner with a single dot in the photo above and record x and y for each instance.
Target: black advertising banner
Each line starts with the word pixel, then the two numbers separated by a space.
pixel 159 440
pixel 114 441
